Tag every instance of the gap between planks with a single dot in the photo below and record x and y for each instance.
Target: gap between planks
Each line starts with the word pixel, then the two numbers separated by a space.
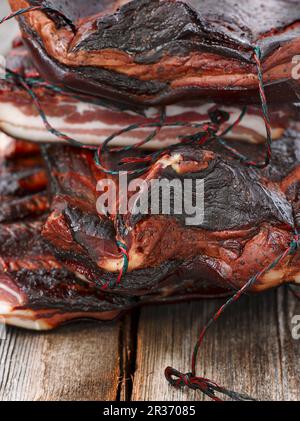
pixel 249 349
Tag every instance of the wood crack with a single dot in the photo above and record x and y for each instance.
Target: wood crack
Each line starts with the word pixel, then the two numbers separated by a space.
pixel 127 355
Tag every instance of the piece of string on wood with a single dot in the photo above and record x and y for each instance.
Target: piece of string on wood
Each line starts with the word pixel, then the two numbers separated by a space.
pixel 206 386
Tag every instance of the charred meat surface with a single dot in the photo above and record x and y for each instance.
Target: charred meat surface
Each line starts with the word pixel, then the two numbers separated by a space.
pixel 53 268
pixel 37 292
pixel 191 48
pixel 248 219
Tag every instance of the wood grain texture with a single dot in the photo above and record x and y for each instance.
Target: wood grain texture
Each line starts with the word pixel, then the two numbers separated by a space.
pixel 288 307
pixel 250 349
pixel 79 362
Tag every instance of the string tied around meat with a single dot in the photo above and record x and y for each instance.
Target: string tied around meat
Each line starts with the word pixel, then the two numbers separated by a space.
pixel 206 386
pixel 124 251
pixel 295 246
pixel 206 132
pixel 265 113
pixel 29 85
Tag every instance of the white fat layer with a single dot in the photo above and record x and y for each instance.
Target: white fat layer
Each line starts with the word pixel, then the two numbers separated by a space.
pixel 176 110
pixel 21 318
pixel 11 292
pixel 5 309
pixel 6 145
pixel 20 125
pixel 25 323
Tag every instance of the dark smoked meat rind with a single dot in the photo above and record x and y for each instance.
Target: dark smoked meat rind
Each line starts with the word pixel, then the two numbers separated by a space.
pixel 249 219
pixel 23 183
pixel 177 35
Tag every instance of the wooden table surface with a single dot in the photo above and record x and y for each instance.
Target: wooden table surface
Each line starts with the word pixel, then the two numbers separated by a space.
pixel 249 349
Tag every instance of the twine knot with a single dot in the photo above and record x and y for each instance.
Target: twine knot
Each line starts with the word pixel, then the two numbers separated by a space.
pixel 206 386
pixel 178 379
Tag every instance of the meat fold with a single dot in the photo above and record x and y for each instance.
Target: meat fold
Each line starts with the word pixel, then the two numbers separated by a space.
pixel 187 49
pixel 37 292
pixel 92 121
pixel 249 219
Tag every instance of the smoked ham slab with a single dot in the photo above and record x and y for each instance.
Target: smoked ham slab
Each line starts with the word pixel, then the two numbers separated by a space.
pixel 250 216
pixel 37 292
pixel 53 267
pixel 92 121
pixel 161 51
pixel 54 262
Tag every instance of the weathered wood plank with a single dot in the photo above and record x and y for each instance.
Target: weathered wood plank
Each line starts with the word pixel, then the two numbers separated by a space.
pixel 288 307
pixel 246 350
pixel 79 362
